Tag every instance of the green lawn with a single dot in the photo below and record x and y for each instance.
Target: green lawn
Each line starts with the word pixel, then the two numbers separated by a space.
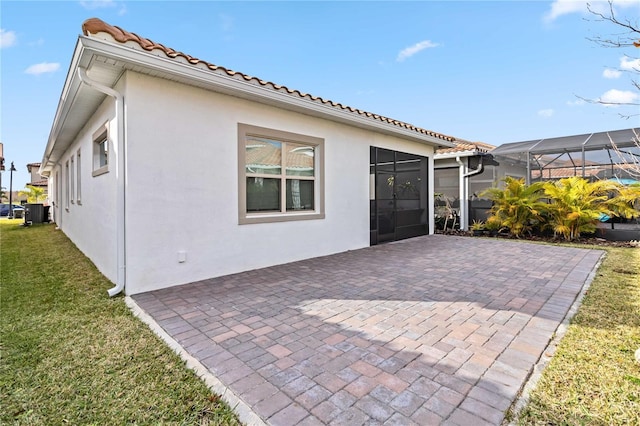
pixel 71 355
pixel 593 378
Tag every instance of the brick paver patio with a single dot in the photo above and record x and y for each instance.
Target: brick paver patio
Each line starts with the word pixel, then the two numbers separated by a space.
pixel 436 329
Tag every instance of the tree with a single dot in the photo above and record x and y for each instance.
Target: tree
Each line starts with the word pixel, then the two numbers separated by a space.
pixel 629 37
pixel 33 194
pixel 628 158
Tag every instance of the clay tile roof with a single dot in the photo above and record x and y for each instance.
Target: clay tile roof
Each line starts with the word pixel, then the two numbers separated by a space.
pixel 42 182
pixel 94 26
pixel 32 166
pixel 464 146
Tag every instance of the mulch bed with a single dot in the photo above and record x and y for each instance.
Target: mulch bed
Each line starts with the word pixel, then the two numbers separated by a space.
pixel 550 239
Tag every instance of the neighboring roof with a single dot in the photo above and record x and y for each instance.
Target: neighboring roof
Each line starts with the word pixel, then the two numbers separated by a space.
pixel 563 172
pixel 261 154
pixel 42 182
pixel 575 143
pixel 32 166
pixel 466 146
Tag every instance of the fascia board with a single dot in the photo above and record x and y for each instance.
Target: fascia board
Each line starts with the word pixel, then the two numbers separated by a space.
pixel 450 155
pixel 241 88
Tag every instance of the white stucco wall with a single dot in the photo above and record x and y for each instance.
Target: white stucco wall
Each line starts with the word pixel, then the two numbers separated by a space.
pixel 90 224
pixel 182 186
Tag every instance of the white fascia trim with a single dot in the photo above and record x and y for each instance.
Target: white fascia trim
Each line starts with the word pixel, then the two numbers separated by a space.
pixel 230 85
pixel 454 155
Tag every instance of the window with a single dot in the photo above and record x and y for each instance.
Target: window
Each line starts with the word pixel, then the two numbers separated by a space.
pixel 78 178
pixel 281 175
pixel 101 151
pixel 72 171
pixel 58 185
pixel 67 183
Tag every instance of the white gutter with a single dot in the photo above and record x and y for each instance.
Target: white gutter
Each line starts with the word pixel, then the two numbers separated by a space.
pixel 464 190
pixel 120 179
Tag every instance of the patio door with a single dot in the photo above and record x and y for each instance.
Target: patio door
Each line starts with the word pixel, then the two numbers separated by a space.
pixel 398 195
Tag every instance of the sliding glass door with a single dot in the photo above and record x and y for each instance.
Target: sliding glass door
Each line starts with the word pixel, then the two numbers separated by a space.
pixel 398 197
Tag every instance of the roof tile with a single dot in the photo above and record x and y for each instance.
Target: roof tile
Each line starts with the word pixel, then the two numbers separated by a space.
pixel 94 26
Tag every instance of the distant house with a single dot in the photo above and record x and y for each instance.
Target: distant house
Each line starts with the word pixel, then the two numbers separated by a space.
pixel 37 179
pixel 166 169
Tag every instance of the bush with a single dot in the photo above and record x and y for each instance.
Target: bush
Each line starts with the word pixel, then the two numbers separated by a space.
pixel 570 207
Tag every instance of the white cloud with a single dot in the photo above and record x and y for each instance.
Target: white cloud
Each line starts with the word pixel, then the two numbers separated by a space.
pixel 7 38
pixel 97 4
pixel 37 43
pixel 615 97
pixel 546 113
pixel 609 73
pixel 412 50
pixel 577 102
pixel 629 64
pixel 42 68
pixel 565 7
pixel 102 4
pixel 226 22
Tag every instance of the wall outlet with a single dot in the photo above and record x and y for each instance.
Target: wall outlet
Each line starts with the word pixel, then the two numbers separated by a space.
pixel 182 256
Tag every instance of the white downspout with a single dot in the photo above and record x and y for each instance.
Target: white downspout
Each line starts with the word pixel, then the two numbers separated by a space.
pixel 120 180
pixel 462 194
pixel 464 190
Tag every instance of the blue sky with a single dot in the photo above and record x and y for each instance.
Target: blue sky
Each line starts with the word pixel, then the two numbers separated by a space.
pixel 496 72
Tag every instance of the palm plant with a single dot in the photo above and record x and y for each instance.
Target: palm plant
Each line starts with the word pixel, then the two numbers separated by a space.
pixel 577 205
pixel 517 207
pixel 33 194
pixel 626 201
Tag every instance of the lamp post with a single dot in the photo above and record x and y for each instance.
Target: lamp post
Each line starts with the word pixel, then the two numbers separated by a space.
pixel 11 170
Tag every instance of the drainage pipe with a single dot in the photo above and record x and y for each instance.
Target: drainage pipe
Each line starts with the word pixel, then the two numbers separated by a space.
pixel 464 190
pixel 120 179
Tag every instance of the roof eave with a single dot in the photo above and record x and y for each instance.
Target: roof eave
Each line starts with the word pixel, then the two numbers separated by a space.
pixel 239 87
pixel 449 155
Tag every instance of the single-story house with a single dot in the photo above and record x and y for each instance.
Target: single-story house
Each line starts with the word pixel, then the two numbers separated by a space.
pixel 165 169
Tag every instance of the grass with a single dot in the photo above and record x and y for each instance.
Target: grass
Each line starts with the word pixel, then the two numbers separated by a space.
pixel 593 378
pixel 72 355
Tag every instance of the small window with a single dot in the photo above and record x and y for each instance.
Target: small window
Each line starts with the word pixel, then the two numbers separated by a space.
pixel 78 178
pixel 281 175
pixel 72 171
pixel 67 185
pixel 58 185
pixel 101 151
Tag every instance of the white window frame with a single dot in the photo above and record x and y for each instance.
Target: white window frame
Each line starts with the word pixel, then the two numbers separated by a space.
pixel 100 137
pixel 58 188
pixel 67 181
pixel 283 215
pixel 72 177
pixel 78 178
